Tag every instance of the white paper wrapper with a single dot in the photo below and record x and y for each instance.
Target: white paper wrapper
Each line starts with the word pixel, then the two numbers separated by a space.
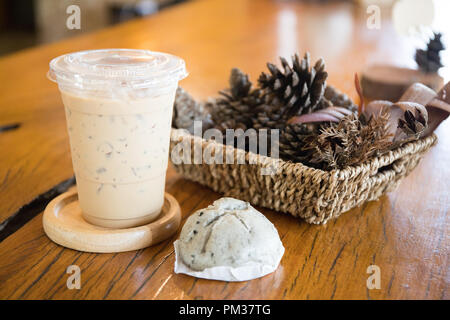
pixel 246 272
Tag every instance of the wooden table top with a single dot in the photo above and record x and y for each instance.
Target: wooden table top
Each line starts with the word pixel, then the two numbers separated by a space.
pixel 405 232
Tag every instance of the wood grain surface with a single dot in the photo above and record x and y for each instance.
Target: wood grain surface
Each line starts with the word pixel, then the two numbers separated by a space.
pixel 405 233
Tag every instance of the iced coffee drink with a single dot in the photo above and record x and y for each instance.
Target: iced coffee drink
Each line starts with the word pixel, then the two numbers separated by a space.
pixel 118 107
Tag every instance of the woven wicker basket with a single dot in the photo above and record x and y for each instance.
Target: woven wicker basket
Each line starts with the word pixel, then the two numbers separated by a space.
pixel 312 194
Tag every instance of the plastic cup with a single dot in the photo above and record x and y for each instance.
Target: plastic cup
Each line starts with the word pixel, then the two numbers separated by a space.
pixel 118 105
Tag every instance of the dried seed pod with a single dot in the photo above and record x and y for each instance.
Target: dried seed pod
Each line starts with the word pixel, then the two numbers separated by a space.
pixel 404 112
pixel 418 93
pixel 390 82
pixel 438 109
pixel 412 99
pixel 333 114
pixel 412 106
pixel 411 126
pixel 374 107
pixel 338 112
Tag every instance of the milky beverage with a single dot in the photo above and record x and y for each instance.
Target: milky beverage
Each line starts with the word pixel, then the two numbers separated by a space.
pixel 119 128
pixel 119 154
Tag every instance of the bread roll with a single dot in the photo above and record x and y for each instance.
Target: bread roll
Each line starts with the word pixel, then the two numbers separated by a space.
pixel 229 232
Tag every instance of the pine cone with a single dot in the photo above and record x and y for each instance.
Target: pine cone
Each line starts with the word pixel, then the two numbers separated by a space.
pixel 186 110
pixel 429 60
pixel 293 139
pixel 298 88
pixel 339 99
pixel 237 105
pixel 272 115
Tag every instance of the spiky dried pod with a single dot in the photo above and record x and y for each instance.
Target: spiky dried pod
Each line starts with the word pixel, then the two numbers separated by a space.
pixel 351 141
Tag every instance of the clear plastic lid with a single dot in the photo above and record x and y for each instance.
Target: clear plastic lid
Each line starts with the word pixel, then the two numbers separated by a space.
pixel 107 69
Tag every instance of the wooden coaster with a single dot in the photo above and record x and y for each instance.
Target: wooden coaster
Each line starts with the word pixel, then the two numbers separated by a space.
pixel 385 82
pixel 64 224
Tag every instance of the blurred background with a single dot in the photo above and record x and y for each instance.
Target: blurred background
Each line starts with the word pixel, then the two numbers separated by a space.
pixel 27 23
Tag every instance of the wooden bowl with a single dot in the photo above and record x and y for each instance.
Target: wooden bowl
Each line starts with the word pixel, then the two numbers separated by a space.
pixel 385 82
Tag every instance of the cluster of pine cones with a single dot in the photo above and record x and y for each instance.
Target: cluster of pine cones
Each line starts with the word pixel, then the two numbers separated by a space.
pixel 296 89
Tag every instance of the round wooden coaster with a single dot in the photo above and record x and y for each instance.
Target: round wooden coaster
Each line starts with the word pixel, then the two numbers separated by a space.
pixel 64 224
